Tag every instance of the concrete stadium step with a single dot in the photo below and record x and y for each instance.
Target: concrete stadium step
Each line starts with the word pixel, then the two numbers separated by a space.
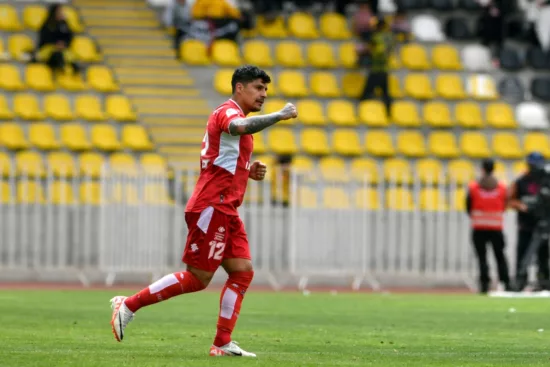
pixel 164 92
pixel 181 150
pixel 164 80
pixel 179 135
pixel 137 33
pixel 124 42
pixel 125 4
pixel 117 13
pixel 181 139
pixel 163 102
pixel 161 110
pixel 147 71
pixel 188 122
pixel 135 61
pixel 121 23
pixel 141 52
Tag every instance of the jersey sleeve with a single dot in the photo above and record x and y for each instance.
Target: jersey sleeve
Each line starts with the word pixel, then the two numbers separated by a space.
pixel 225 116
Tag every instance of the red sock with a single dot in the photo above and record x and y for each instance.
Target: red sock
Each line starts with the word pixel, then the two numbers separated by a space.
pixel 169 286
pixel 230 305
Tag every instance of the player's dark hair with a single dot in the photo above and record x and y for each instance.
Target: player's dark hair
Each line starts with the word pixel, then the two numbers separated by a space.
pixel 246 74
pixel 488 165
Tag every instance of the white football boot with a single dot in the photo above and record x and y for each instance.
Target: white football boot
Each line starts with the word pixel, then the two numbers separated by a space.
pixel 121 316
pixel 231 349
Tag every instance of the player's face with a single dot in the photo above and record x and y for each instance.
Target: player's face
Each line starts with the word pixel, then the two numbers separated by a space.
pixel 254 95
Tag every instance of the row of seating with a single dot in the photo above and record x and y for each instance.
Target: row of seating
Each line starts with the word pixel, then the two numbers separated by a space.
pixel 514 60
pixel 40 78
pixel 33 16
pixel 57 106
pixel 74 137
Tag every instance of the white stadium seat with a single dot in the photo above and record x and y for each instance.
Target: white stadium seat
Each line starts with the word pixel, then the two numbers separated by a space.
pixel 387 6
pixel 532 115
pixel 427 28
pixel 476 58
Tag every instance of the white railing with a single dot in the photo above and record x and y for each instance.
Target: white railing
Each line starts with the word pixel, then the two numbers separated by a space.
pixel 131 228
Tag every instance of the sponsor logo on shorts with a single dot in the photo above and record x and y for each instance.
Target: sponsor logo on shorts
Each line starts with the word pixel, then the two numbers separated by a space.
pixel 194 247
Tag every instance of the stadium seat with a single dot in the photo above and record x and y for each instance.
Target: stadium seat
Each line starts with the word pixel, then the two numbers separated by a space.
pixel 39 77
pixel 432 199
pixel 399 199
pixel 411 144
pixel 532 115
pixel 507 146
pixel 42 136
pixel 443 145
pixel 126 193
pixel 91 165
pixel 414 57
pixel 460 172
pixel 222 81
pixel 122 164
pixel 427 28
pixel 538 59
pixel 61 164
pixel 373 113
pixel 119 108
pixel 6 165
pixel 379 143
pixel 468 115
pixel 510 59
pixel 500 116
pixel 418 86
pixel 71 82
pixel 347 56
pixel 194 52
pixel 395 87
pixel 342 113
pixel 57 107
pixel 540 88
pixel 258 53
pixel 85 49
pixel 333 169
pixel 26 107
pixel 104 137
pixel 446 57
pixel 281 140
pixel 272 28
pixel 405 114
pixel 20 46
pixel 34 16
pixel 74 138
pixel 302 25
pixel 10 79
pixel 482 87
pixel 398 171
pixel 511 89
pixel 29 164
pixel 474 145
pixel 90 193
pixel 134 137
pixel 101 79
pixel 12 137
pixel 429 171
pixel 314 141
pixel 307 198
pixel 364 170
pixel 334 26
pixel 5 111
pixel 156 194
pixel 476 57
pixel 352 84
pixel 88 107
pixel 259 143
pixel 335 198
pixel 519 168
pixel 458 200
pixel 536 141
pixel 225 53
pixel 324 85
pixel 293 84
pixel 321 55
pixel 449 86
pixel 437 115
pixel 289 54
pixel 73 19
pixel 346 142
pixel 9 20
pixel 60 193
pixel 6 194
pixel 30 192
pixel 366 199
pixel 153 164
pixel 311 112
pixel 302 164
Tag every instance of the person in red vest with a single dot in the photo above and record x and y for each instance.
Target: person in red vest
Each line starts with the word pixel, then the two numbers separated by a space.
pixel 486 203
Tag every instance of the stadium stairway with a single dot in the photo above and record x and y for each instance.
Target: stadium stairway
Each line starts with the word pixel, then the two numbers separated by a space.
pixel 165 95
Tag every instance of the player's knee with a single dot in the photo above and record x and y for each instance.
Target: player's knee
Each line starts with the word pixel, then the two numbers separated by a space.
pixel 205 277
pixel 237 265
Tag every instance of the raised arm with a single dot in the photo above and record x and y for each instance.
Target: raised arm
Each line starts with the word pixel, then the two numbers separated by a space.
pixel 251 125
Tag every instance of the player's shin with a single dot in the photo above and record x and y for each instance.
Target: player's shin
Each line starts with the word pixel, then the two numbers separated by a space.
pixel 230 304
pixel 169 286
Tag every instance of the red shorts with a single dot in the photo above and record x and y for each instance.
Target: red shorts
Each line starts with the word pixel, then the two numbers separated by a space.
pixel 214 236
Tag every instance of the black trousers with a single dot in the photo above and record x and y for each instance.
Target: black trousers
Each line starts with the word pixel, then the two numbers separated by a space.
pixel 374 80
pixel 496 239
pixel 543 273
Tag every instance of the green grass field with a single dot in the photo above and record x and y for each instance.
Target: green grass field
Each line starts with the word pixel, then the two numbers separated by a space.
pixel 71 328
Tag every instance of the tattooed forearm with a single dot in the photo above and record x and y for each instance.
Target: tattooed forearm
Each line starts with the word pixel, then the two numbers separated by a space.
pixel 251 125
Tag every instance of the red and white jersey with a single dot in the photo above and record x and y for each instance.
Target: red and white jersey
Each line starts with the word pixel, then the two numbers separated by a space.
pixel 225 163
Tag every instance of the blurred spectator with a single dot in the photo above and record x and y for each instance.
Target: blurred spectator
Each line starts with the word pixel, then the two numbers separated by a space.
pixel 341 5
pixel 280 186
pixel 401 26
pixel 54 40
pixel 490 27
pixel 362 21
pixel 178 15
pixel 223 16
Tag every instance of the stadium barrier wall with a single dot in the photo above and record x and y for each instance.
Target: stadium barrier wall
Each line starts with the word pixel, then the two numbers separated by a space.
pixel 133 230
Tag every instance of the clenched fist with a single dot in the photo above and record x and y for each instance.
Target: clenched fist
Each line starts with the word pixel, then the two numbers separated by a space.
pixel 288 112
pixel 257 171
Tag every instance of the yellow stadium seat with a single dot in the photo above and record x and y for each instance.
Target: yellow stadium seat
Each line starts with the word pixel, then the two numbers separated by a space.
pixel 73 19
pixel 293 84
pixel 12 137
pixel 101 79
pixel 446 57
pixel 405 114
pixel 273 28
pixel 119 108
pixel 42 136
pixel 333 169
pixel 460 171
pixel 449 86
pixel 34 16
pixel 57 107
pixel 274 105
pixel 482 87
pixel 474 145
pixel 364 170
pixel 156 194
pixel 6 195
pixel 289 54
pixel 458 200
pixel 5 111
pixel 352 84
pixel 500 116
pixel 324 85
pixel 29 164
pixel 418 86
pixel 373 113
pixel 302 25
pixel 90 193
pixel 74 138
pixel 71 82
pixel 366 199
pixel 104 137
pixel 135 137
pixel 397 170
pixel 124 193
pixel 88 107
pixel 399 199
pixel 85 49
pixel 394 87
pixel 61 164
pixel 414 57
pixel 311 112
pixel 432 199
pixel 30 192
pixel 258 53
pixel 39 77
pixel 379 143
pixel 468 115
pixel 334 26
pixel 222 81
pixel 429 171
pixel 394 62
pixel 501 172
pixel 437 115
pixel 314 141
pixel 91 164
pixel 122 164
pixel 226 53
pixel 10 79
pixel 9 20
pixel 307 198
pixel 342 113
pixel 302 164
pixel 519 167
pixel 20 46
pixel 194 52
pixel 281 140
pixel 153 164
pixel 321 55
pixel 259 143
pixel 60 193
pixel 506 145
pixel 443 144
pixel 411 144
pixel 536 141
pixel 26 107
pixel 346 142
pixel 335 198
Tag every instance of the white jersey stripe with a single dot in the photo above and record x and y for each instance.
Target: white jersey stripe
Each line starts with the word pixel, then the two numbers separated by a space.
pixel 229 152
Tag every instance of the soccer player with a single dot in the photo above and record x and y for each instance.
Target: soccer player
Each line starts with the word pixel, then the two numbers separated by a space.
pixel 216 233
